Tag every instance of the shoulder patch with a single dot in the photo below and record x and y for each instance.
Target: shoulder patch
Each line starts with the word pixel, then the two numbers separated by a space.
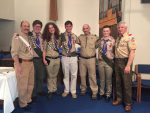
pixel 130 34
pixel 132 39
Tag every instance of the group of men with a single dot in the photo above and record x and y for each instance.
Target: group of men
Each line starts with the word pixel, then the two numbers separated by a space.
pixel 29 66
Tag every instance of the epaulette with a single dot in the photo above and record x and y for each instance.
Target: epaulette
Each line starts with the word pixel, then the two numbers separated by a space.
pixel 82 35
pixel 95 35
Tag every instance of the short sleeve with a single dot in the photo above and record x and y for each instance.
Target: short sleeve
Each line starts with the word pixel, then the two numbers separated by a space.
pixel 15 45
pixel 132 43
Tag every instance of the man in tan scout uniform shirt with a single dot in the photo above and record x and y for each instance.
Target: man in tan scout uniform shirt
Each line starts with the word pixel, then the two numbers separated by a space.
pixel 87 61
pixel 22 54
pixel 124 54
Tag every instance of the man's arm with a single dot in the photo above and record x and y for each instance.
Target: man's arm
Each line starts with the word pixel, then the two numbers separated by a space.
pixel 130 61
pixel 18 68
pixel 15 54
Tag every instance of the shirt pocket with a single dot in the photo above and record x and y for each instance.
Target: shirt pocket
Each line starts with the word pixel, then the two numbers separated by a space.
pixel 25 49
pixel 91 45
pixel 109 46
pixel 83 44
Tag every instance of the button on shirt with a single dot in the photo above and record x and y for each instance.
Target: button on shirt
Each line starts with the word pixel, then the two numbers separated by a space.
pixel 124 45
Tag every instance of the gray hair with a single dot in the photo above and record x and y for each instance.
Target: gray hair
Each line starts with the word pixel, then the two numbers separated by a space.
pixel 122 22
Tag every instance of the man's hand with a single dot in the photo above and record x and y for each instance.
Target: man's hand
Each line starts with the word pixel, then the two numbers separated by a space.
pixel 18 69
pixel 127 70
pixel 45 62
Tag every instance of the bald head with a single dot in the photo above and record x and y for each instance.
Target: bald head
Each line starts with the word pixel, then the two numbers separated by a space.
pixel 25 27
pixel 86 29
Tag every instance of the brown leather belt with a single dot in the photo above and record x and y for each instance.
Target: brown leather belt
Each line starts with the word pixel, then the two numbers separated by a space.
pixel 52 57
pixel 88 57
pixel 121 59
pixel 68 56
pixel 25 60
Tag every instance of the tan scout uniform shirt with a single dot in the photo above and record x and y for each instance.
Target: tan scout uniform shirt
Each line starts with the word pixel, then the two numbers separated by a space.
pixel 34 43
pixel 50 47
pixel 65 48
pixel 124 45
pixel 88 43
pixel 20 49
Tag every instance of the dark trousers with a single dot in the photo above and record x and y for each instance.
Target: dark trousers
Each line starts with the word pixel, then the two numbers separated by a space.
pixel 123 82
pixel 40 73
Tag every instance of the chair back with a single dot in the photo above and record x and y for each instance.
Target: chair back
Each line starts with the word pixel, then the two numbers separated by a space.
pixel 142 68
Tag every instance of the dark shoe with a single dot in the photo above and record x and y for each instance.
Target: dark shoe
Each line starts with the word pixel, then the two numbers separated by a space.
pixel 94 96
pixel 49 96
pixel 34 99
pixel 116 102
pixel 56 93
pixel 128 108
pixel 101 97
pixel 42 94
pixel 26 108
pixel 107 99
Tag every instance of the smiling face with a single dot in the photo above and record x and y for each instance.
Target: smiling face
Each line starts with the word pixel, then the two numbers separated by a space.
pixel 106 32
pixel 25 27
pixel 86 29
pixel 51 29
pixel 68 28
pixel 37 28
pixel 122 28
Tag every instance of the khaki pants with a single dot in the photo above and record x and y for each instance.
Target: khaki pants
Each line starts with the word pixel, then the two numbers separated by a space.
pixel 88 65
pixel 25 83
pixel 70 66
pixel 105 74
pixel 52 71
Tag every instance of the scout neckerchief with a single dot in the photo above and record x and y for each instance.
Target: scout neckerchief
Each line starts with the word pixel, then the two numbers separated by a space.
pixel 104 48
pixel 37 42
pixel 69 42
